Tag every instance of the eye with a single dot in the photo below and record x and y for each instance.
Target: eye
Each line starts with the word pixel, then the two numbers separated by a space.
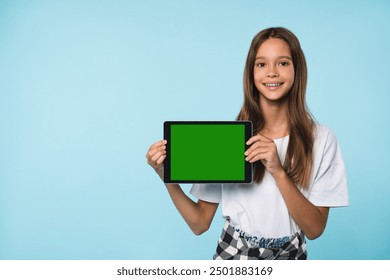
pixel 260 64
pixel 284 63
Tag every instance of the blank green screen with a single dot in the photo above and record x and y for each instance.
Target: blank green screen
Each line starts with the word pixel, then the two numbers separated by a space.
pixel 207 152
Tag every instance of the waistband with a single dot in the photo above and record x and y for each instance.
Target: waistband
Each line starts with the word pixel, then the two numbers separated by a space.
pixel 232 246
pixel 262 242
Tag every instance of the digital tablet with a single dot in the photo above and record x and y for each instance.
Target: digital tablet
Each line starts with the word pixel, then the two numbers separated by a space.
pixel 207 152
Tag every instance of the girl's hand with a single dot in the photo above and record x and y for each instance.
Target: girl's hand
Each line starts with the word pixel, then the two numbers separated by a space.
pixel 156 155
pixel 264 149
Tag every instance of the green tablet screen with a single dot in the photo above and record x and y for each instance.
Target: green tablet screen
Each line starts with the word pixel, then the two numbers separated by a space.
pixel 206 152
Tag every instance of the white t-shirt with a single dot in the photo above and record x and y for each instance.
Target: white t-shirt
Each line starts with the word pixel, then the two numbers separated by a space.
pixel 259 209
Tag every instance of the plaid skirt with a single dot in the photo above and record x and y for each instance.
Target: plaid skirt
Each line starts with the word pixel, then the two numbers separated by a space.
pixel 231 246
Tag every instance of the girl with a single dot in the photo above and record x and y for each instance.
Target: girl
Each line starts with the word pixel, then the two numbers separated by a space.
pixel 299 171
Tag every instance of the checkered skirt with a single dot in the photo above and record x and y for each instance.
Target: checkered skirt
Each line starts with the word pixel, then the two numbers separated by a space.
pixel 231 246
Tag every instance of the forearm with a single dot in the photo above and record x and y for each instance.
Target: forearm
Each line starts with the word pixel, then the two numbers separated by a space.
pixel 186 206
pixel 198 215
pixel 310 218
pixel 191 212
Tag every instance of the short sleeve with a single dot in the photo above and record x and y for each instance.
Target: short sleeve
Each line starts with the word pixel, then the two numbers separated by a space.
pixel 329 187
pixel 207 192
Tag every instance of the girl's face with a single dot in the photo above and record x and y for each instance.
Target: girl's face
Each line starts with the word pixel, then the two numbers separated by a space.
pixel 273 70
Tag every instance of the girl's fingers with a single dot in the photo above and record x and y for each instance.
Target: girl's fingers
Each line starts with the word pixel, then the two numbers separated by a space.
pixel 161 159
pixel 159 143
pixel 252 140
pixel 156 153
pixel 263 149
pixel 156 150
pixel 158 146
pixel 259 144
pixel 258 137
pixel 257 154
pixel 255 146
pixel 261 156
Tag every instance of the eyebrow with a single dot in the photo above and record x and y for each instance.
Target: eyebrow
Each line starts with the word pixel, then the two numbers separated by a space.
pixel 279 57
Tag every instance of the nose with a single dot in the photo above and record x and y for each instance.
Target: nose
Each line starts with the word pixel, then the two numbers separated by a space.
pixel 272 73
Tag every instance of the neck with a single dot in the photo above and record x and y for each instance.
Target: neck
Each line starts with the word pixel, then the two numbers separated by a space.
pixel 276 119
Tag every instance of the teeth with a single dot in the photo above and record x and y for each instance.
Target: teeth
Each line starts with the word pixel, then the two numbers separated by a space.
pixel 272 85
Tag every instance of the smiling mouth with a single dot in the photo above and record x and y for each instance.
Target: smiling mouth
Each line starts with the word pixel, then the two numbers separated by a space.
pixel 273 85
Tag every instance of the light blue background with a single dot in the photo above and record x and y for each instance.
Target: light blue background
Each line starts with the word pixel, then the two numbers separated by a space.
pixel 86 85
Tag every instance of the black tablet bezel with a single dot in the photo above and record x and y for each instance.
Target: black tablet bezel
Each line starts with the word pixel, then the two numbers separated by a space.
pixel 167 162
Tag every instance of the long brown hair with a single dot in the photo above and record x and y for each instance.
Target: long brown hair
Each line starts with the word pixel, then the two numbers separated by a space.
pixel 299 157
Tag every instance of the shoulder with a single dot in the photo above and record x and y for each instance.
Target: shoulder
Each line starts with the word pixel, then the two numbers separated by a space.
pixel 329 181
pixel 324 135
pixel 326 143
pixel 323 131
